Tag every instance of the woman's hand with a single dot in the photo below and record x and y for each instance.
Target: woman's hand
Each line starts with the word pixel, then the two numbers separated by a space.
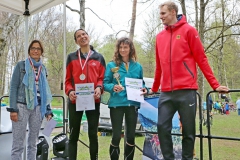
pixel 14 116
pixel 117 88
pixel 49 117
pixel 97 93
pixel 144 91
pixel 72 96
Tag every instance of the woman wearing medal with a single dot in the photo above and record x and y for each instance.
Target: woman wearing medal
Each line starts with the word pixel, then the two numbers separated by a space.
pixel 30 99
pixel 123 65
pixel 84 66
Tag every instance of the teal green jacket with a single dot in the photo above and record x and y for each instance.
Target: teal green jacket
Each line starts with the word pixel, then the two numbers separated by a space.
pixel 120 98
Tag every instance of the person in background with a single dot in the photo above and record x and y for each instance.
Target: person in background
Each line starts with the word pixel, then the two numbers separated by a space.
pixel 84 66
pixel 178 50
pixel 30 99
pixel 223 108
pixel 226 108
pixel 210 104
pixel 217 106
pixel 238 105
pixel 125 59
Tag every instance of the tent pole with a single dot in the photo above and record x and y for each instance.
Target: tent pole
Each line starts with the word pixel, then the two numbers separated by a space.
pixel 26 37
pixel 26 15
pixel 64 67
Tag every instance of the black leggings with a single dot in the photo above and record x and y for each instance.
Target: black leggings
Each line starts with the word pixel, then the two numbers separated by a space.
pixel 116 115
pixel 75 118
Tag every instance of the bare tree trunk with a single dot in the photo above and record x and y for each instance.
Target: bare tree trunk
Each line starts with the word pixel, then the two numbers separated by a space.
pixel 8 22
pixel 134 10
pixel 3 65
pixel 220 56
pixel 182 2
pixel 82 14
pixel 201 34
pixel 5 29
pixel 196 14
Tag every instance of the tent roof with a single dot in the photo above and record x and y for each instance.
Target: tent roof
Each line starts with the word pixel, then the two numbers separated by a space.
pixel 35 6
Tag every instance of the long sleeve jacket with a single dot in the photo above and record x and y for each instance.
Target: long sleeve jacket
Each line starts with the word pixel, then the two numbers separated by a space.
pixel 120 99
pixel 94 71
pixel 178 51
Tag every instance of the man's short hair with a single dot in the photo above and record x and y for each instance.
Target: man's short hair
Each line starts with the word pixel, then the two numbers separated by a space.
pixel 170 5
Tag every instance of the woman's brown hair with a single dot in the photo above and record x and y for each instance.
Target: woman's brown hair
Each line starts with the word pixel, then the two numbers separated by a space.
pixel 117 58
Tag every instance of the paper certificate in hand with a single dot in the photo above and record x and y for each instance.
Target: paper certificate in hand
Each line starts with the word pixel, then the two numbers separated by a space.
pixel 133 88
pixel 85 96
pixel 50 125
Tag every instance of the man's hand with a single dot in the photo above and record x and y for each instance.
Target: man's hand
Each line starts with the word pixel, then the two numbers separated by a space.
pixel 222 89
pixel 14 116
pixel 150 91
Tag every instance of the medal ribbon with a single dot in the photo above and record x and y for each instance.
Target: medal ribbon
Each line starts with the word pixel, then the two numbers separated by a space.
pixel 80 60
pixel 39 70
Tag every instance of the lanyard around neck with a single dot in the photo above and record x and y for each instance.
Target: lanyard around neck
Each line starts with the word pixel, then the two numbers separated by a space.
pixel 39 70
pixel 80 60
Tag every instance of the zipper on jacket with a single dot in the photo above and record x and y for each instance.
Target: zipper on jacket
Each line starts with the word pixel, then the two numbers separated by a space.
pixel 126 64
pixel 87 72
pixel 186 66
pixel 171 60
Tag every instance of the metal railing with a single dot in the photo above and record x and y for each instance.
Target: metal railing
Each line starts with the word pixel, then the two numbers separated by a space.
pixel 209 136
pixel 64 113
pixel 201 136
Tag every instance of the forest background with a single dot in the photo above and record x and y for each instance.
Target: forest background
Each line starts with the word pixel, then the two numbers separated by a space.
pixel 217 21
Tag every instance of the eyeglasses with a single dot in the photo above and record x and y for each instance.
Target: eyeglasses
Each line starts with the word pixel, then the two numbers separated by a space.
pixel 33 49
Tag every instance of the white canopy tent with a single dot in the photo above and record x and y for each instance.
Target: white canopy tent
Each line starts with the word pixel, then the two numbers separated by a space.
pixel 27 8
pixel 30 7
pixel 33 6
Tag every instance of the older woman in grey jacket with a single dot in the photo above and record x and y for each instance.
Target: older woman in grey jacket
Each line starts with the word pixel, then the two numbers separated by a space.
pixel 30 98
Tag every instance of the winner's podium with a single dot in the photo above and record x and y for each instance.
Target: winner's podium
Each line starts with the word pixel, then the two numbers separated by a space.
pixel 148 117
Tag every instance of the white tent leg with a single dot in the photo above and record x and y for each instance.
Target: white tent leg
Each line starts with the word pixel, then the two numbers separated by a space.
pixel 64 64
pixel 26 37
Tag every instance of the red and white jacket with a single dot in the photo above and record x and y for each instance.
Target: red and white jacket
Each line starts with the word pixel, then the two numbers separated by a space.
pixel 178 50
pixel 94 71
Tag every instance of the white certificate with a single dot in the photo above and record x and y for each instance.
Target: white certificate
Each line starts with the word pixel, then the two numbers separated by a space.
pixel 50 125
pixel 85 96
pixel 133 88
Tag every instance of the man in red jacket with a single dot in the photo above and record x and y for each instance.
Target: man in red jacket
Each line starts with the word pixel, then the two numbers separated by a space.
pixel 178 50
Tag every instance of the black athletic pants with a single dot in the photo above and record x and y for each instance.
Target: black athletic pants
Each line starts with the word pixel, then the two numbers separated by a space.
pixel 75 118
pixel 183 101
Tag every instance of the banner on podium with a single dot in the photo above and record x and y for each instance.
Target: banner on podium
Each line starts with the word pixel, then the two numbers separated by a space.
pixel 148 117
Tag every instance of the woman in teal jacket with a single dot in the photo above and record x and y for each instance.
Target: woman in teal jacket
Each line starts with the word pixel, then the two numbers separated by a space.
pixel 123 65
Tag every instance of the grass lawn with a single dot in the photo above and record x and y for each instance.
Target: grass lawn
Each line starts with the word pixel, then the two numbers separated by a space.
pixel 223 126
pixel 226 126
